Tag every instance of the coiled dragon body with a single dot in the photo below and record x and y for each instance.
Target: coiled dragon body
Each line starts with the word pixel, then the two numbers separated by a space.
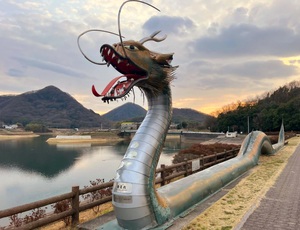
pixel 137 204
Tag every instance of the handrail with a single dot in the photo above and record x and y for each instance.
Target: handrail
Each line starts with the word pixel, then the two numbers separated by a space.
pixel 33 205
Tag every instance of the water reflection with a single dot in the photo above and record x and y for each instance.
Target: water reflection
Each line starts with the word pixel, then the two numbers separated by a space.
pixel 72 146
pixel 34 155
pixel 37 156
pixel 31 169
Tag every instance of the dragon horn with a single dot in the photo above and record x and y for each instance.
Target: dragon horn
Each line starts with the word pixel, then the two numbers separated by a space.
pixel 152 38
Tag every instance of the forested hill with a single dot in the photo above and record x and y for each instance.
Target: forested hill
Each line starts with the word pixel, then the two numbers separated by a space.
pixel 54 108
pixel 265 114
pixel 49 106
pixel 126 112
pixel 189 118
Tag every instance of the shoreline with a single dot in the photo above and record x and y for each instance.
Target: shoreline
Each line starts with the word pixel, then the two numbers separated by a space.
pixel 17 136
pixel 107 138
pixel 54 140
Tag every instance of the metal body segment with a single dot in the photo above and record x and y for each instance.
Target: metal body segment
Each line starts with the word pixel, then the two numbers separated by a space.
pixel 185 193
pixel 134 196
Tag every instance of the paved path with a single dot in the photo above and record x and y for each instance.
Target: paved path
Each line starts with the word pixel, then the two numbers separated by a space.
pixel 280 208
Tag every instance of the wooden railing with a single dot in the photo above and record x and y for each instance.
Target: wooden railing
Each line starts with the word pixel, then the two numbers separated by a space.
pixel 165 174
pixel 168 173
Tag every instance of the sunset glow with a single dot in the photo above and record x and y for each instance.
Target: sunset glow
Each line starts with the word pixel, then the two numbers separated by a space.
pixel 215 45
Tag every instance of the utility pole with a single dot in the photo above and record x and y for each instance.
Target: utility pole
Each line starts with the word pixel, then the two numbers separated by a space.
pixel 248 124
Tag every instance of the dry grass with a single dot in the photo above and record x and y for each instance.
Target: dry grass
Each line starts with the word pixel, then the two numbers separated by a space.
pixel 228 212
pixel 83 217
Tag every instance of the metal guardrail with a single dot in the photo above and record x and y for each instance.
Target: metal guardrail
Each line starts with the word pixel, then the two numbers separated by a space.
pixel 165 174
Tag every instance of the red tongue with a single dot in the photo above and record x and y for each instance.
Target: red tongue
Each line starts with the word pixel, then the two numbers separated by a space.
pixel 110 85
pixel 107 88
pixel 116 87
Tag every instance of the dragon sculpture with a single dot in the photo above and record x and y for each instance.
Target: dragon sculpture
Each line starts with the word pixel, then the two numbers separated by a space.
pixel 137 203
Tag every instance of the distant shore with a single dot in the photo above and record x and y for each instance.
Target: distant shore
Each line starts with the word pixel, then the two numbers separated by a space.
pixel 95 139
pixel 17 136
pixel 70 137
pixel 54 140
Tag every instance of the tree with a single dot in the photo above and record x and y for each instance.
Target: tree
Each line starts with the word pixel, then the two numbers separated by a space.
pixel 36 128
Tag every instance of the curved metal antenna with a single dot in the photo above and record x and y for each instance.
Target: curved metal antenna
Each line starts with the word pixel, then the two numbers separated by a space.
pixel 92 30
pixel 119 17
pixel 152 38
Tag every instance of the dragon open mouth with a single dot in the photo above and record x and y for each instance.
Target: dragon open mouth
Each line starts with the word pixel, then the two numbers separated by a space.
pixel 119 86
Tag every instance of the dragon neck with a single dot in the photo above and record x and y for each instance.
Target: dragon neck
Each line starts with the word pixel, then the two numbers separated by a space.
pixel 134 187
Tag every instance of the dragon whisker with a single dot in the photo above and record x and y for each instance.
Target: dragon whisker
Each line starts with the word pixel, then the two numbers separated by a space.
pixel 92 30
pixel 119 19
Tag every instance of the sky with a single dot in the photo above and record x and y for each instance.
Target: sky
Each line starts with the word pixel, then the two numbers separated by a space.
pixel 227 51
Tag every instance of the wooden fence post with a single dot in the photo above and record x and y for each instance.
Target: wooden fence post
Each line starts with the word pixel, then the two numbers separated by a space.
pixel 201 162
pixel 216 158
pixel 163 174
pixel 75 205
pixel 186 168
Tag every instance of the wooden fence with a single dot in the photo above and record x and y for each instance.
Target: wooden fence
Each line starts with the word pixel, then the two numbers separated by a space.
pixel 165 174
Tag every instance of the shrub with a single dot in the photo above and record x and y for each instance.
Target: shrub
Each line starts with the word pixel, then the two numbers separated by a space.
pixel 97 195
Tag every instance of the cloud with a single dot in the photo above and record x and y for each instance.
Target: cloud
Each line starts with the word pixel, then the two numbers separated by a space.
pixel 44 65
pixel 15 72
pixel 244 69
pixel 248 40
pixel 207 75
pixel 269 69
pixel 220 47
pixel 169 24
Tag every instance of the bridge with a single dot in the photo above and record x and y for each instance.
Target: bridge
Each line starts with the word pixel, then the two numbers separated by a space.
pixel 183 135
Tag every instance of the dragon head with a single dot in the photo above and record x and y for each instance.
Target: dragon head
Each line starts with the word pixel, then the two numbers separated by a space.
pixel 148 70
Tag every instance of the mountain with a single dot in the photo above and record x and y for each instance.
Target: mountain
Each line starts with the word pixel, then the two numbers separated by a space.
pixel 48 106
pixel 56 109
pixel 188 115
pixel 133 112
pixel 126 112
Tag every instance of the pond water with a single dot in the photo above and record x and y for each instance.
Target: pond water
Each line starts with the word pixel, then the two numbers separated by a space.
pixel 31 169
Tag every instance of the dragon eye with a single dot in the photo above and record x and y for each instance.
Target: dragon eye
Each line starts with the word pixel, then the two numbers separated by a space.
pixel 131 47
